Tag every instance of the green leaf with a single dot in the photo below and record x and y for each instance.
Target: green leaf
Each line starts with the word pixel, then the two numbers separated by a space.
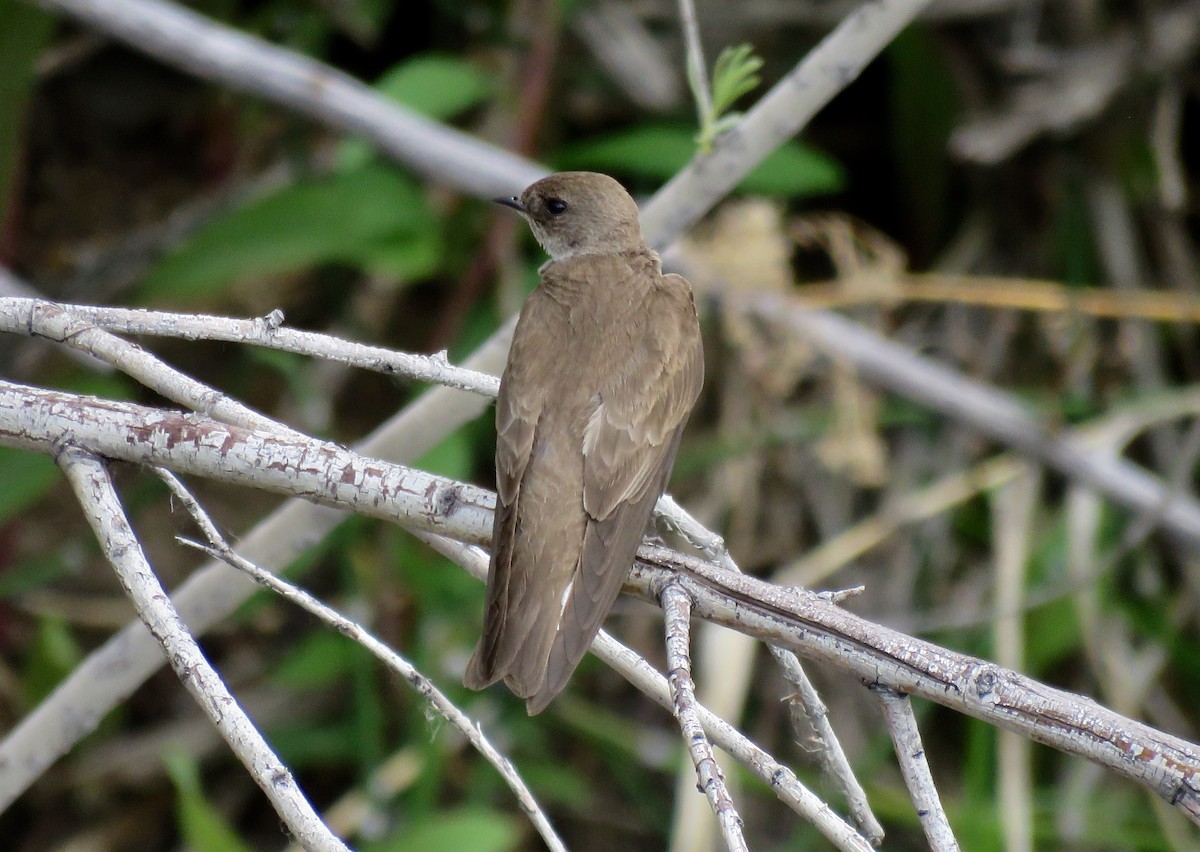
pixel 435 85
pixel 659 151
pixel 925 108
pixel 31 574
pixel 24 478
pixel 200 824
pixel 453 831
pixel 343 218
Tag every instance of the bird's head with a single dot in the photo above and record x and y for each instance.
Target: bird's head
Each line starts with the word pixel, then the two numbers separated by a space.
pixel 574 213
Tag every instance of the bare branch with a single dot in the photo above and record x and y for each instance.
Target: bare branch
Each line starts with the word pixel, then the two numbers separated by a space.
pixel 218 548
pixel 797 619
pixel 805 699
pixel 697 71
pixel 100 503
pixel 115 669
pixel 817 629
pixel 778 777
pixel 906 739
pixel 41 318
pixel 676 615
pixel 826 745
pixel 25 316
pixel 184 39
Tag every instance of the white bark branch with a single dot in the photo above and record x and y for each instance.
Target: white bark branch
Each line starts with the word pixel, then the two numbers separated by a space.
pixel 815 628
pixel 826 746
pixel 29 316
pixel 906 740
pixel 803 621
pixel 94 489
pixel 59 323
pixel 776 776
pixel 114 670
pixel 218 548
pixel 676 621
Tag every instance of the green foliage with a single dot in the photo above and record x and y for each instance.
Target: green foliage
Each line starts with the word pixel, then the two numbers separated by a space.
pixel 366 216
pixel 734 74
pixel 925 107
pixel 52 655
pixel 477 829
pixel 659 151
pixel 201 826
pixel 31 574
pixel 1075 248
pixel 24 31
pixel 320 659
pixel 436 85
pixel 26 477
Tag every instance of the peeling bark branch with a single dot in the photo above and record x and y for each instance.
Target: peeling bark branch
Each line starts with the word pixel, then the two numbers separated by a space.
pixel 804 621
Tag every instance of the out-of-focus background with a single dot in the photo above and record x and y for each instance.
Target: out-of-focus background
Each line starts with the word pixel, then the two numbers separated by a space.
pixel 1009 189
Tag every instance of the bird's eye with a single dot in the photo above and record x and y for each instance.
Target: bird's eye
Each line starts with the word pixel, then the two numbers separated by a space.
pixel 556 206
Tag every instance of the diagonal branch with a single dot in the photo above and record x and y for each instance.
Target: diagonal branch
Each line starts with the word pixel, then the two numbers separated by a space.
pixel 218 548
pixel 993 413
pixel 94 489
pixel 187 40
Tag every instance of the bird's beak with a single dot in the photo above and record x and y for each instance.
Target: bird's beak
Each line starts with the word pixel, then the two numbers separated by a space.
pixel 513 202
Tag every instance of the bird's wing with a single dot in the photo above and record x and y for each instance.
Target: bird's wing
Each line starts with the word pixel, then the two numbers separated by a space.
pixel 518 410
pixel 629 446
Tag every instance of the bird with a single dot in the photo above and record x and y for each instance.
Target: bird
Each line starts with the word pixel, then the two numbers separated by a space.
pixel 605 366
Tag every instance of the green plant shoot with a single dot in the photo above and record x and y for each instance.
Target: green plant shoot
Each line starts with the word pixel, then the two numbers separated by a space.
pixel 735 74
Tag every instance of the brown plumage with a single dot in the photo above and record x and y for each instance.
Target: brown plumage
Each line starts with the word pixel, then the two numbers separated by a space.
pixel 605 366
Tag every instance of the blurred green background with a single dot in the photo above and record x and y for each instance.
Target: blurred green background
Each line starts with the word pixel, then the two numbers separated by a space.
pixel 123 181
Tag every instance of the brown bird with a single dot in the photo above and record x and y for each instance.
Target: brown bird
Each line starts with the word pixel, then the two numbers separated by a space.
pixel 605 366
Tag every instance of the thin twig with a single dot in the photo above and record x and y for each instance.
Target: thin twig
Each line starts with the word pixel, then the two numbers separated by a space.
pixel 94 490
pixel 41 318
pixel 676 617
pixel 778 777
pixel 25 316
pixel 218 548
pixel 697 71
pixel 906 740
pixel 829 751
pixel 1014 509
pixel 825 744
